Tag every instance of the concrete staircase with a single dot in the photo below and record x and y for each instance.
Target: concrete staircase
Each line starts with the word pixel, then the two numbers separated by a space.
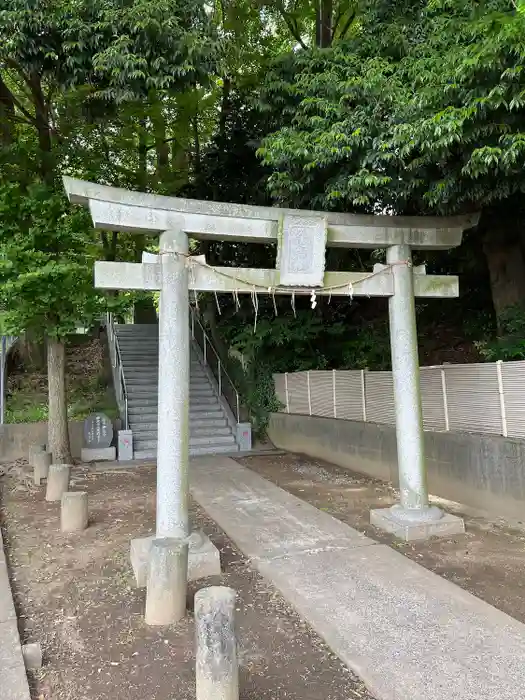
pixel 211 427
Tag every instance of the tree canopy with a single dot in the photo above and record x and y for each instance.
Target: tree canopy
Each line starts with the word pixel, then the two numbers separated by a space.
pixel 393 106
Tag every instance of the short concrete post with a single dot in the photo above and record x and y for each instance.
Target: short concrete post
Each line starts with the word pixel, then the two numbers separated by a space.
pixel 57 481
pixel 41 463
pixel 32 654
pixel 167 581
pixel 217 671
pixel 74 511
pixel 34 450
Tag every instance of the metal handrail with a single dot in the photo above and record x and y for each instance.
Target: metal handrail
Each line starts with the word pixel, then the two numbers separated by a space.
pixel 222 375
pixel 117 370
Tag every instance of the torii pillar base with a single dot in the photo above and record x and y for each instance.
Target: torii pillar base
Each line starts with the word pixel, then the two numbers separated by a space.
pixel 411 525
pixel 203 557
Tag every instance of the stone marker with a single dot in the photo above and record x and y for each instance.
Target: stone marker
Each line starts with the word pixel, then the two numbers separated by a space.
pixel 32 654
pixel 167 581
pixel 41 463
pixel 216 667
pixel 74 511
pixel 98 430
pixel 34 450
pixel 57 481
pixel 98 436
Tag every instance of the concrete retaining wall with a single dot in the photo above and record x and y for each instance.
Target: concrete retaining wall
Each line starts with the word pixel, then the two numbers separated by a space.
pixel 15 438
pixel 482 471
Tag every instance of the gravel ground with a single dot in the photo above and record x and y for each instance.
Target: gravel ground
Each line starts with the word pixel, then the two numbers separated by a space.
pixel 74 595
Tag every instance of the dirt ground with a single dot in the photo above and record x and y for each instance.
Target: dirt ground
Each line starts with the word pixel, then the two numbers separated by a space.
pixel 74 595
pixel 488 560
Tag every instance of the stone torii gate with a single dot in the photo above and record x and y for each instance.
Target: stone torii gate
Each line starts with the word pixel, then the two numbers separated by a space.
pixel 301 237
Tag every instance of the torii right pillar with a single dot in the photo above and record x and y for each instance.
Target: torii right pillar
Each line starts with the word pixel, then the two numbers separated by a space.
pixel 413 518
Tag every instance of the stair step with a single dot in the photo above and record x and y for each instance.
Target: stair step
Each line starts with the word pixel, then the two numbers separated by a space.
pixel 151 377
pixel 209 429
pixel 151 363
pixel 141 432
pixel 194 451
pixel 151 380
pixel 144 454
pixel 151 366
pixel 154 333
pixel 141 342
pixel 141 403
pixel 135 390
pixel 137 401
pixel 207 415
pixel 138 354
pixel 135 415
pixel 128 338
pixel 209 424
pixel 151 444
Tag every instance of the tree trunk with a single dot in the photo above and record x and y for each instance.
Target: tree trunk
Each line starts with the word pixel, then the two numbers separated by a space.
pixel 162 150
pixel 196 145
pixel 144 311
pixel 7 113
pixel 323 31
pixel 43 128
pixel 58 433
pixel 32 353
pixel 504 248
pixel 142 171
pixel 225 107
pixel 507 276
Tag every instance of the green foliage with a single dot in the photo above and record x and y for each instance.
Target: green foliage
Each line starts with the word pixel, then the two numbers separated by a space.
pixel 46 265
pixel 289 343
pixel 26 412
pixel 420 111
pixel 120 50
pixel 88 393
pixel 257 391
pixel 398 106
pixel 367 347
pixel 510 344
pixel 306 340
pixel 281 344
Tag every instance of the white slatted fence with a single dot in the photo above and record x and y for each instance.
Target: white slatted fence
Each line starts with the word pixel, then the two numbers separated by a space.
pixel 475 398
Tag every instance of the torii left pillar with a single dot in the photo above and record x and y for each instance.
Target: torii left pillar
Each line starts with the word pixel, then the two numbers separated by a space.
pixel 174 393
pixel 172 516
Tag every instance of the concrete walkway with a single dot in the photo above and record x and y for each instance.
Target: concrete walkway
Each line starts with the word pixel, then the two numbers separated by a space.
pixel 408 633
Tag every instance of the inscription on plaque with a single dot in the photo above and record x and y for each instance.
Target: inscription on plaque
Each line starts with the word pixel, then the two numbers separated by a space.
pixel 301 254
pixel 98 430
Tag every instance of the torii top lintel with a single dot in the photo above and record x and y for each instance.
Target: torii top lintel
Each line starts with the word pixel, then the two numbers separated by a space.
pixel 118 209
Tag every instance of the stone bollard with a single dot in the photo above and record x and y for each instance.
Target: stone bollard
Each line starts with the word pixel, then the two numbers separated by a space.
pixel 216 667
pixel 167 581
pixel 74 511
pixel 57 481
pixel 41 463
pixel 32 654
pixel 34 450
